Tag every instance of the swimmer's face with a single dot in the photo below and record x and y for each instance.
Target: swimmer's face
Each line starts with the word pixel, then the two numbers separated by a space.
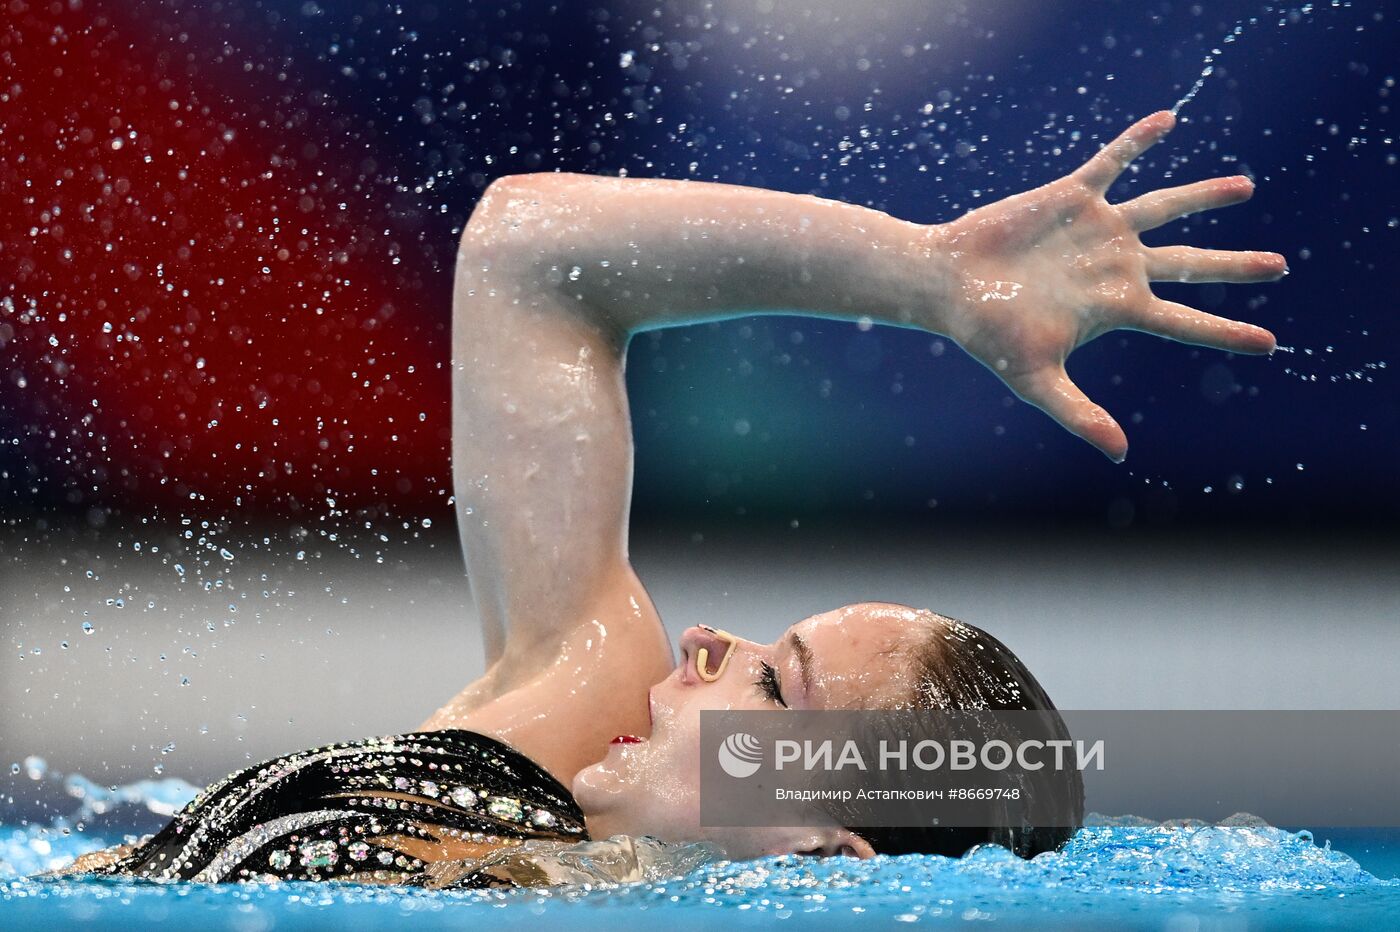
pixel 854 657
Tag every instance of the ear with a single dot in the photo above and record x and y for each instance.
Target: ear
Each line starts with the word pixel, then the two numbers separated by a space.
pixel 830 842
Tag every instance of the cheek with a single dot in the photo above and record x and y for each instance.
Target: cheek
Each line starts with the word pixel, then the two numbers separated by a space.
pixel 663 775
pixel 673 753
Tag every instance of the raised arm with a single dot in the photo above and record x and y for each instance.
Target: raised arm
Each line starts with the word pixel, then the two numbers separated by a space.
pixel 556 271
pixel 1020 283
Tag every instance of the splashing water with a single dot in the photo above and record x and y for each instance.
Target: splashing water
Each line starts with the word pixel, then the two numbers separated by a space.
pixel 1135 874
pixel 1286 16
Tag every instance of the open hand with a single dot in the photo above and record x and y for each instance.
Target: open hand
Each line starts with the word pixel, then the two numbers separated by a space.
pixel 1042 273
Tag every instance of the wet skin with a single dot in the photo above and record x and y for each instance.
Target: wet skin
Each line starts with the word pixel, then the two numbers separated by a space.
pixel 856 656
pixel 556 272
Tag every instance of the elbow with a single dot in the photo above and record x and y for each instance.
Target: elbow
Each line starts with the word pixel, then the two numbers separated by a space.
pixel 497 213
pixel 515 213
pixel 517 219
pixel 504 200
pixel 515 216
pixel 508 187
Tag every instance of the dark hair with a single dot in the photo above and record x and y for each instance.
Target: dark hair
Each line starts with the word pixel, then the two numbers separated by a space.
pixel 963 668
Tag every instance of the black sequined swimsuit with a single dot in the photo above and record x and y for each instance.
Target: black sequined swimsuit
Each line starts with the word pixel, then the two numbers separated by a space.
pixel 421 809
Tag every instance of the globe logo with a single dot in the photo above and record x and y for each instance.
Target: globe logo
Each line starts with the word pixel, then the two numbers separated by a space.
pixel 741 755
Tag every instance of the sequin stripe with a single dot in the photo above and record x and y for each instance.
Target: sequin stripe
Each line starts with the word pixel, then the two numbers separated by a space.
pixel 510 796
pixel 499 775
pixel 462 794
pixel 241 848
pixel 507 757
pixel 507 767
pixel 471 808
pixel 215 811
pixel 224 813
pixel 378 753
pixel 220 812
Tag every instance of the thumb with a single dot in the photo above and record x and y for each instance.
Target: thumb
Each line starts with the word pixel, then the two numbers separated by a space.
pixel 1051 390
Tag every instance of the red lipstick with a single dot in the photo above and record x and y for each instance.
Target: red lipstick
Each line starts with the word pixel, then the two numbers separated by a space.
pixel 626 739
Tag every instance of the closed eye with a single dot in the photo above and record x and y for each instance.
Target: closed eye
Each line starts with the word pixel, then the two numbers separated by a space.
pixel 768 683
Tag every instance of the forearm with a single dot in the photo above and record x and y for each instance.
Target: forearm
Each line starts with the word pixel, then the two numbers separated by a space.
pixel 640 253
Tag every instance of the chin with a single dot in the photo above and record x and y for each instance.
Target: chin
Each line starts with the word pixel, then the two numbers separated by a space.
pixel 589 783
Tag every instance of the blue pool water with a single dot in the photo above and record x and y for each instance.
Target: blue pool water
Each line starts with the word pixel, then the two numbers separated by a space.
pixel 1117 876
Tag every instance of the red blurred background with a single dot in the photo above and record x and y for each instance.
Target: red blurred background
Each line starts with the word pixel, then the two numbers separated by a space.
pixel 204 301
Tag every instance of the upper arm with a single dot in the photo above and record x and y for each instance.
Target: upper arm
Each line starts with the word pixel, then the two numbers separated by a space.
pixel 542 476
pixel 541 438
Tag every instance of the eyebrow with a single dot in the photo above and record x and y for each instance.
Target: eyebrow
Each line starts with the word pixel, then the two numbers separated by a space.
pixel 804 660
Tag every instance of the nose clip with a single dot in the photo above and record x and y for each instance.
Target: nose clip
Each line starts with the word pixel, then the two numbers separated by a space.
pixel 702 656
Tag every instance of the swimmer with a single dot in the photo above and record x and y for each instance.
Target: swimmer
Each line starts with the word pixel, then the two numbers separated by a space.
pixel 583 725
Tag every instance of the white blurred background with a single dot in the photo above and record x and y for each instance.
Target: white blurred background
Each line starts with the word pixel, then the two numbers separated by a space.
pixel 241 659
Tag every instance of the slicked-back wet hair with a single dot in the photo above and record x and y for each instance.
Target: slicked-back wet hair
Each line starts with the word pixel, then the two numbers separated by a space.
pixel 961 667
